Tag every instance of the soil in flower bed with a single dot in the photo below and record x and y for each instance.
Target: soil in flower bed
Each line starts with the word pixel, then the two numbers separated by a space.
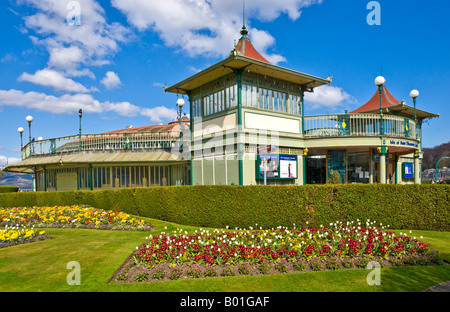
pixel 111 227
pixel 35 239
pixel 130 272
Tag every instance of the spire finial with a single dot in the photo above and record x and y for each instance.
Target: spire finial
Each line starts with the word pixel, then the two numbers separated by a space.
pixel 244 30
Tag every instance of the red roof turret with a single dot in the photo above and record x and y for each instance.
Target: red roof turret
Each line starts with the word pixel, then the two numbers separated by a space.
pixel 246 48
pixel 387 100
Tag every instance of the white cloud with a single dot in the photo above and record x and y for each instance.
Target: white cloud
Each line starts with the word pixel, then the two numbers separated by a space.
pixel 327 97
pixel 70 104
pixel 111 80
pixel 205 27
pixel 70 47
pixel 262 40
pixel 160 113
pixel 55 80
pixel 95 39
pixel 68 60
pixel 8 160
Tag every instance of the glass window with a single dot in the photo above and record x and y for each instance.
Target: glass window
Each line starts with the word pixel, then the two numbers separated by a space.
pixel 295 103
pixel 227 98
pixel 358 167
pixel 283 102
pixel 234 96
pixel 254 96
pixel 215 101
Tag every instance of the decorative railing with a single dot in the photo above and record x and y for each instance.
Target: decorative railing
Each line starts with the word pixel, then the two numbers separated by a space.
pixel 138 141
pixel 337 125
pixel 360 125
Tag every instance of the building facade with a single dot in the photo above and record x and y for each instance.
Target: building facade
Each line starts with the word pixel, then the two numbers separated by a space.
pixel 247 127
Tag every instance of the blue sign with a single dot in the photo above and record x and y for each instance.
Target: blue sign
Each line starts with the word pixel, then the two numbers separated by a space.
pixel 408 170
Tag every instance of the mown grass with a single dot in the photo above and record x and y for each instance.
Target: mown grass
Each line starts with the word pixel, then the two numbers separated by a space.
pixel 42 267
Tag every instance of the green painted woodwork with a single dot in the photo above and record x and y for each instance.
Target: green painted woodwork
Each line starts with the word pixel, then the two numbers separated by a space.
pixel 239 143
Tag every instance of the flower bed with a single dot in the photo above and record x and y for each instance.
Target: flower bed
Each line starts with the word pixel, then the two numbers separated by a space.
pixel 279 250
pixel 71 217
pixel 16 235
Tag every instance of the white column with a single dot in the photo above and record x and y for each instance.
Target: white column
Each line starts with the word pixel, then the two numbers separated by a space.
pixel 416 170
pixel 383 168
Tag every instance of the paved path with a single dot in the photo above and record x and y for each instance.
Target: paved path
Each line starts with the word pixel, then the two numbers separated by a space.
pixel 442 287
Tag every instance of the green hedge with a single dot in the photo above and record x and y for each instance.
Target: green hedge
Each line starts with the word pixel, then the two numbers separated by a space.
pixel 9 189
pixel 420 207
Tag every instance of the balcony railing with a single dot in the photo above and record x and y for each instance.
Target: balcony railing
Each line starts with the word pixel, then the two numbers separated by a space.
pixel 360 125
pixel 337 125
pixel 140 141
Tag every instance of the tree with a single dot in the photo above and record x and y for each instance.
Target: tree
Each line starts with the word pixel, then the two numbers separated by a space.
pixel 432 155
pixel 335 178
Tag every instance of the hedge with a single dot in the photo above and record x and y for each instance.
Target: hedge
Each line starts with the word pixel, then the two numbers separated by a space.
pixel 9 189
pixel 415 207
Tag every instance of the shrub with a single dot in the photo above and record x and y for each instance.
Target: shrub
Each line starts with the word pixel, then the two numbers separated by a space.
pixel 9 189
pixel 210 272
pixel 281 266
pixel 335 177
pixel 243 269
pixel 416 207
pixel 175 273
pixel 348 262
pixel 333 263
pixel 158 274
pixel 141 277
pixel 121 277
pixel 264 267
pixel 315 264
pixel 194 272
pixel 300 265
pixel 227 271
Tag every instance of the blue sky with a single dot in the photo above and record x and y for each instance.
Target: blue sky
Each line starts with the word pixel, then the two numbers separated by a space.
pixel 114 64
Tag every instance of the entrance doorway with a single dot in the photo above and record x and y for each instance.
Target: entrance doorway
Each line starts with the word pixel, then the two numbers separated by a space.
pixel 316 169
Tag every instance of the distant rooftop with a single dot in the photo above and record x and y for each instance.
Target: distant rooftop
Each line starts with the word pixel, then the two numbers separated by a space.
pixel 171 126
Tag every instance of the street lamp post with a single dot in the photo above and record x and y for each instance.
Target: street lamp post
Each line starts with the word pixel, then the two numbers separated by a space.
pixel 80 113
pixel 29 119
pixel 414 94
pixel 20 129
pixel 435 180
pixel 180 104
pixel 379 81
pixel 40 143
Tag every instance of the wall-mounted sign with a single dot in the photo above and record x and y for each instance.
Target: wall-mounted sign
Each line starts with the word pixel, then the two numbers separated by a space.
pixel 408 170
pixel 403 143
pixel 276 166
pixel 376 156
pixel 288 167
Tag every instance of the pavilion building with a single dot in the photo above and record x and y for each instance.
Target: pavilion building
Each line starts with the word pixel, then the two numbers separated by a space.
pixel 247 126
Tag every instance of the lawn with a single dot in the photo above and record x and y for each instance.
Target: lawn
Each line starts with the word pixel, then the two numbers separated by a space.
pixel 42 267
